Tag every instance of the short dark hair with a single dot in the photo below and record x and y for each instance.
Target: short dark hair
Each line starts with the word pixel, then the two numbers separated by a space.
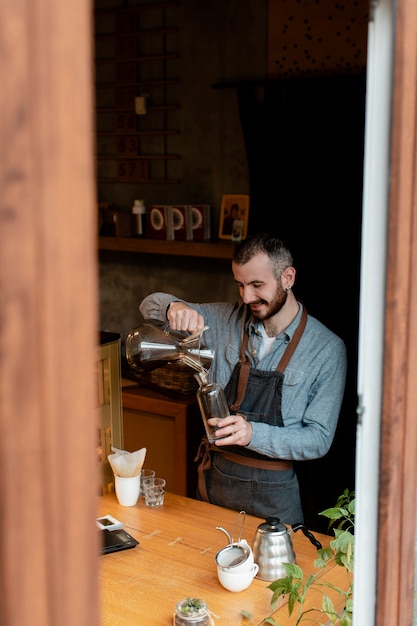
pixel 273 247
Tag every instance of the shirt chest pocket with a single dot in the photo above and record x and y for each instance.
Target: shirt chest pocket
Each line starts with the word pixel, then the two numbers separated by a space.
pixel 293 377
pixel 232 355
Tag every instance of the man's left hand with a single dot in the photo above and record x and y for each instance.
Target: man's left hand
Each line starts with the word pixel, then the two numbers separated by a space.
pixel 233 430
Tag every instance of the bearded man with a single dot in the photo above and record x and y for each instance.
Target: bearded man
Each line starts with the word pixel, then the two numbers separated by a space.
pixel 283 373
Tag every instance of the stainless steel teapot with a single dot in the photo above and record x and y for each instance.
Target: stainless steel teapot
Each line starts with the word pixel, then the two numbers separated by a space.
pixel 272 546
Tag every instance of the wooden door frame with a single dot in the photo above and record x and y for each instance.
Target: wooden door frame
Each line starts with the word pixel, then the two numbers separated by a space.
pixel 398 459
pixel 49 478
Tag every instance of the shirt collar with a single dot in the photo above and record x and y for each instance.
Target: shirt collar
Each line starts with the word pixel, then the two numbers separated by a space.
pixel 254 324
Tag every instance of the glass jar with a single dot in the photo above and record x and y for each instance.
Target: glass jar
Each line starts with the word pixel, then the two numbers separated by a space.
pixel 192 612
pixel 212 402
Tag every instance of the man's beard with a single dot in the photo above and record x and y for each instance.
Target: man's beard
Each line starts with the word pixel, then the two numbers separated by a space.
pixel 272 307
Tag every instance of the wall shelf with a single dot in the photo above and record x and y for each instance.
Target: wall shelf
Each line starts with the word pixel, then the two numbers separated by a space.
pixel 134 181
pixel 157 107
pixel 136 52
pixel 147 31
pixel 140 83
pixel 206 249
pixel 137 133
pixel 166 157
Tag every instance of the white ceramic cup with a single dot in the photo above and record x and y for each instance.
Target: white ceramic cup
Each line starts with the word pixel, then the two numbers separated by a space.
pixel 237 581
pixel 154 491
pixel 127 489
pixel 145 473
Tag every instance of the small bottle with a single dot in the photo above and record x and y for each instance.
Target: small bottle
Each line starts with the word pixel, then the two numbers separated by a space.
pixel 212 402
pixel 192 612
pixel 237 231
pixel 139 209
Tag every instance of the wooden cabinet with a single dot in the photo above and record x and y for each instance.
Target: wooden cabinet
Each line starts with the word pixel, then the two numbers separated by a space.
pixel 109 403
pixel 169 429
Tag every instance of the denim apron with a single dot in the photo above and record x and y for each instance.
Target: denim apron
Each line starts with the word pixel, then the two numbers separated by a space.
pixel 238 478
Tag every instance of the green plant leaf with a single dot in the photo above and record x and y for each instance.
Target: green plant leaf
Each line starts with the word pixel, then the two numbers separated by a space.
pixel 292 599
pixel 293 570
pixel 341 552
pixel 335 513
pixel 247 615
pixel 276 596
pixel 282 586
pixel 328 608
pixel 323 556
pixel 346 619
pixel 191 605
pixel 343 548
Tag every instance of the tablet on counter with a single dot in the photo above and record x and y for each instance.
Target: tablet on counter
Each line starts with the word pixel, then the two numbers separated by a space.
pixel 116 540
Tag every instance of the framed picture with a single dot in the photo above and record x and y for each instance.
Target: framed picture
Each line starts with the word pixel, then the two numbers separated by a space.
pixel 234 214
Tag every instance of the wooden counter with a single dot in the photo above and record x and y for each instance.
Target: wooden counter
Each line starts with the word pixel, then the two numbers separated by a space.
pixel 176 559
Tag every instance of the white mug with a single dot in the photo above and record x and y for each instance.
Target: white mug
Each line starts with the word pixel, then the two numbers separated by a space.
pixel 237 581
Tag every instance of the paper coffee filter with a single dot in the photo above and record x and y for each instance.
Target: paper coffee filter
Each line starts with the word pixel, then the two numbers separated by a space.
pixel 126 464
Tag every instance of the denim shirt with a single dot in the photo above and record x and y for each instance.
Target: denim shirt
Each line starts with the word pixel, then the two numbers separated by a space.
pixel 314 378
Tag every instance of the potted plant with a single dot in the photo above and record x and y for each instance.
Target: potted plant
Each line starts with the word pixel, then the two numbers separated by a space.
pixel 192 612
pixel 296 585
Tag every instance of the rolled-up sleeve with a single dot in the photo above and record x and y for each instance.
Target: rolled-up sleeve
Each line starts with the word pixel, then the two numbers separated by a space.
pixel 154 306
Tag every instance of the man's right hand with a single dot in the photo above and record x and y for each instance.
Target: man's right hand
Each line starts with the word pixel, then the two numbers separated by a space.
pixel 181 317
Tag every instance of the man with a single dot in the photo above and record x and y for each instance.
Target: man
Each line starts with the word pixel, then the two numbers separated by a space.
pixel 284 377
pixel 230 219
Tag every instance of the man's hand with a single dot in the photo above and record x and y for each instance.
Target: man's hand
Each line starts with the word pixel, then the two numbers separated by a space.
pixel 181 317
pixel 232 430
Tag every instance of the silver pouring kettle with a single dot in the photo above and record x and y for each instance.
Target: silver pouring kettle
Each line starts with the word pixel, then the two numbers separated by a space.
pixel 272 546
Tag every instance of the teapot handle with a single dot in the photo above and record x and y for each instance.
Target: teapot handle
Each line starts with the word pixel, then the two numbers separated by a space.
pixel 308 534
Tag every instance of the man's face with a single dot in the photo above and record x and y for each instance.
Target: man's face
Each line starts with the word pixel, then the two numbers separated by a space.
pixel 258 287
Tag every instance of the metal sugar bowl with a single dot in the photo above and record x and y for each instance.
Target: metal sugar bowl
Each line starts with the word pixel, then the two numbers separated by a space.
pixel 272 547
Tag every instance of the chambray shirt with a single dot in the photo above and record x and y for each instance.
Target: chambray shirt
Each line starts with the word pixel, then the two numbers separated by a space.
pixel 314 379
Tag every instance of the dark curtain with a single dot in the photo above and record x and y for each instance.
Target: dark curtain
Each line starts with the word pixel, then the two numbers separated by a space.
pixel 304 141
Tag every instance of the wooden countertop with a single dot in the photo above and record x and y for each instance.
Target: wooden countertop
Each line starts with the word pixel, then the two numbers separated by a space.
pixel 176 559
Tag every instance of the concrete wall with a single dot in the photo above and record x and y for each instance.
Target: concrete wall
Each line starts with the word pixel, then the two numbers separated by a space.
pixel 220 42
pixel 217 41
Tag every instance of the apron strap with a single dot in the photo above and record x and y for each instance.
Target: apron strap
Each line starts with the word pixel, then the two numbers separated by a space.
pixel 204 463
pixel 293 343
pixel 245 363
pixel 243 374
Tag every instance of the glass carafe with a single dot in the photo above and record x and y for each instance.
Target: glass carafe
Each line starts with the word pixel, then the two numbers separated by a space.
pixel 149 346
pixel 212 402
